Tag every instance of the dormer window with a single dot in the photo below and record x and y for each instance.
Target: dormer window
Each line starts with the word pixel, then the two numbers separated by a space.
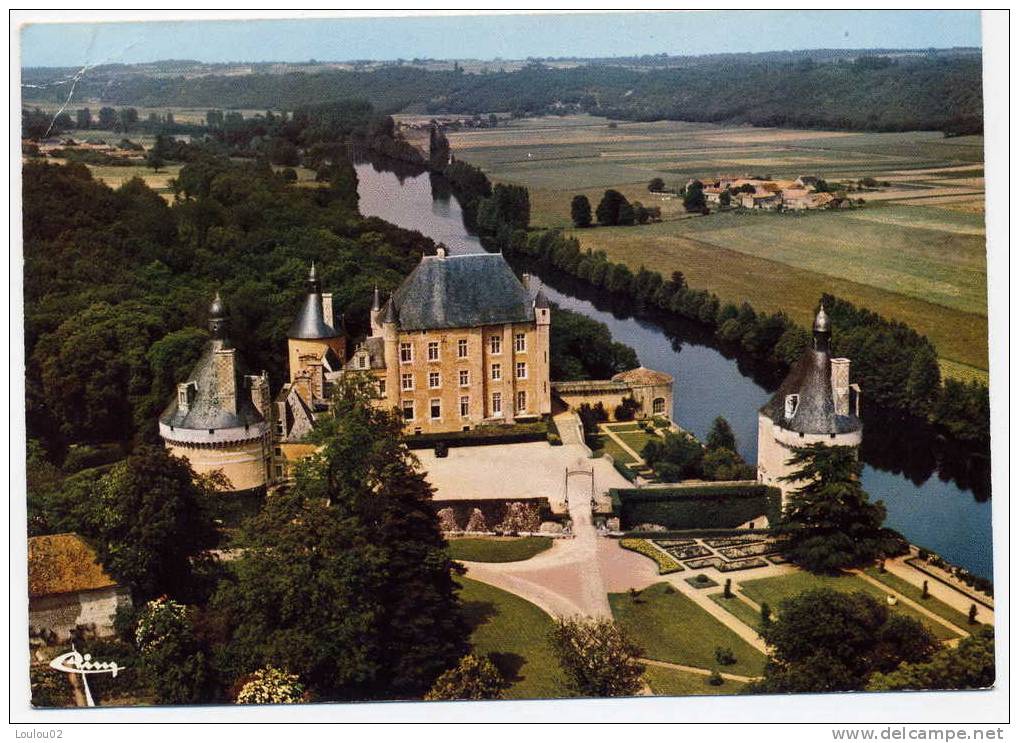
pixel 362 361
pixel 792 402
pixel 185 395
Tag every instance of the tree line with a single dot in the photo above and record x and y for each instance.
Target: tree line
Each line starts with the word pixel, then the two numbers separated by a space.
pixel 874 93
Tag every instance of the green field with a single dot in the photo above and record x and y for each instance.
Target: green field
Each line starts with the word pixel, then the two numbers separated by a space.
pixel 671 682
pixel 514 634
pixel 775 590
pixel 497 549
pixel 671 627
pixel 915 252
pixel 600 443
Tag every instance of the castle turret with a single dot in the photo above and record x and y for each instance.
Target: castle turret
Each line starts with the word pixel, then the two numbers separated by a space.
pixel 815 404
pixel 218 420
pixel 314 332
pixel 375 316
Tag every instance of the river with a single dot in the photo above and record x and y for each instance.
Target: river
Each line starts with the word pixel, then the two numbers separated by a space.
pixel 931 501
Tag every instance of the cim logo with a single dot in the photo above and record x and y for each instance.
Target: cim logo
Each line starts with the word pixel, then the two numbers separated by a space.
pixel 75 662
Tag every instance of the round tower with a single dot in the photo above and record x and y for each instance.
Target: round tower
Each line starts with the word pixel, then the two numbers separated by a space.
pixel 218 418
pixel 815 404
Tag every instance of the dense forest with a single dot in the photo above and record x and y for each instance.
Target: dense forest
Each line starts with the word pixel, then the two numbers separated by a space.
pixel 875 92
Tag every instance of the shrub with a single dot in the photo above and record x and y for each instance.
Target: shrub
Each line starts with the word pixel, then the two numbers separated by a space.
pixel 725 656
pixel 473 678
pixel 666 564
pixel 727 592
pixel 441 449
pixel 271 685
pixel 598 658
pixel 715 679
pixel 765 612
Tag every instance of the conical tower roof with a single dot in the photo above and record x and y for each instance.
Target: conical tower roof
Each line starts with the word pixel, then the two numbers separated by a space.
pixel 310 322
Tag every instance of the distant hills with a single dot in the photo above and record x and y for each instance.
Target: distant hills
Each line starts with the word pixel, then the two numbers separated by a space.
pixel 880 90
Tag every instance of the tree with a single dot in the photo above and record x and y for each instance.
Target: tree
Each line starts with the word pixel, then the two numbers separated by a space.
pixel 473 678
pixel 970 665
pixel 725 198
pixel 829 522
pixel 580 211
pixel 608 211
pixel 598 658
pixel 675 457
pixel 721 435
pixel 83 119
pixel 923 385
pixel 150 519
pixel 271 685
pixel 826 640
pixel 172 660
pixel 656 185
pixel 128 118
pixel 107 118
pixel 345 579
pixel 693 197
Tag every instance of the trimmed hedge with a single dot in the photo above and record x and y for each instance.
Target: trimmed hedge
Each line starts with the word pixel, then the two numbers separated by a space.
pixel 625 471
pixel 518 433
pixel 493 510
pixel 697 507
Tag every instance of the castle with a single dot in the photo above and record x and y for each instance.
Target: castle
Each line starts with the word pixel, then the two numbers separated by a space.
pixel 461 343
pixel 815 404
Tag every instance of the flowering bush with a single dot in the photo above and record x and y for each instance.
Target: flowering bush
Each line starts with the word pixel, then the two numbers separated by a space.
pixel 520 517
pixel 271 685
pixel 666 564
pixel 447 520
pixel 160 619
pixel 477 521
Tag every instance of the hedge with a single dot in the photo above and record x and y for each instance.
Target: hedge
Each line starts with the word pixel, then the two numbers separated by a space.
pixel 666 563
pixel 625 471
pixel 494 510
pixel 517 433
pixel 698 507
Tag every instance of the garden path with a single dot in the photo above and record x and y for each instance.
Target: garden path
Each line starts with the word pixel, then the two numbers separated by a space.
pixel 700 671
pixel 699 597
pixel 622 444
pixel 955 599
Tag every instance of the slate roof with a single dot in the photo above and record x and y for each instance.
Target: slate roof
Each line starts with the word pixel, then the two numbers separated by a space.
pixel 310 323
pixel 460 291
pixel 810 378
pixel 205 410
pixel 63 563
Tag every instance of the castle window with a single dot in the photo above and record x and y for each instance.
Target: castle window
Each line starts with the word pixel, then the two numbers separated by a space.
pixel 496 372
pixel 433 380
pixel 495 344
pixel 521 401
pixel 362 361
pixel 278 451
pixel 406 381
pixel 433 351
pixel 279 471
pixel 435 409
pixel 465 377
pixel 521 370
pixel 406 353
pixel 212 431
pixel 408 410
pixel 461 348
pixel 791 403
pixel 658 406
pixel 465 406
pixel 496 403
pixel 520 343
pixel 382 387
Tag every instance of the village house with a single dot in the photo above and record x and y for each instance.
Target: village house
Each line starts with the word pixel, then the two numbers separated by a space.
pixel 816 404
pixel 69 592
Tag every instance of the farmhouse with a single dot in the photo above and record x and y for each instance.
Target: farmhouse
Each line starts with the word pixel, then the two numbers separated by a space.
pixel 68 590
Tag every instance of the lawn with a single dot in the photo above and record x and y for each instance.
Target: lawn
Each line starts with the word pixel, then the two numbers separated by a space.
pixel 497 549
pixel 904 254
pixel 600 443
pixel 514 634
pixel 637 440
pixel 671 627
pixel 671 682
pixel 908 590
pixel 775 590
pixel 739 609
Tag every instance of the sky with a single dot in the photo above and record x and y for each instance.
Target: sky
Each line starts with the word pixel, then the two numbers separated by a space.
pixel 490 37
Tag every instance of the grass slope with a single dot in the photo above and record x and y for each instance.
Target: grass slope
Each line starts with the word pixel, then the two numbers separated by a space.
pixel 497 549
pixel 514 634
pixel 672 682
pixel 671 627
pixel 908 590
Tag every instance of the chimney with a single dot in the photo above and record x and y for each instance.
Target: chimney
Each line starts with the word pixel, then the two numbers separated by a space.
pixel 840 385
pixel 327 309
pixel 226 379
pixel 258 384
pixel 441 251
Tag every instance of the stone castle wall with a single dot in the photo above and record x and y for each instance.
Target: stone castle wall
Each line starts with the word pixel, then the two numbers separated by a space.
pixel 245 463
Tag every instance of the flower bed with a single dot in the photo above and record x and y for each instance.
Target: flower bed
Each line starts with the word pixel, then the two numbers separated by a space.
pixel 688 551
pixel 725 567
pixel 701 581
pixel 734 541
pixel 667 543
pixel 748 550
pixel 777 559
pixel 489 516
pixel 666 563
